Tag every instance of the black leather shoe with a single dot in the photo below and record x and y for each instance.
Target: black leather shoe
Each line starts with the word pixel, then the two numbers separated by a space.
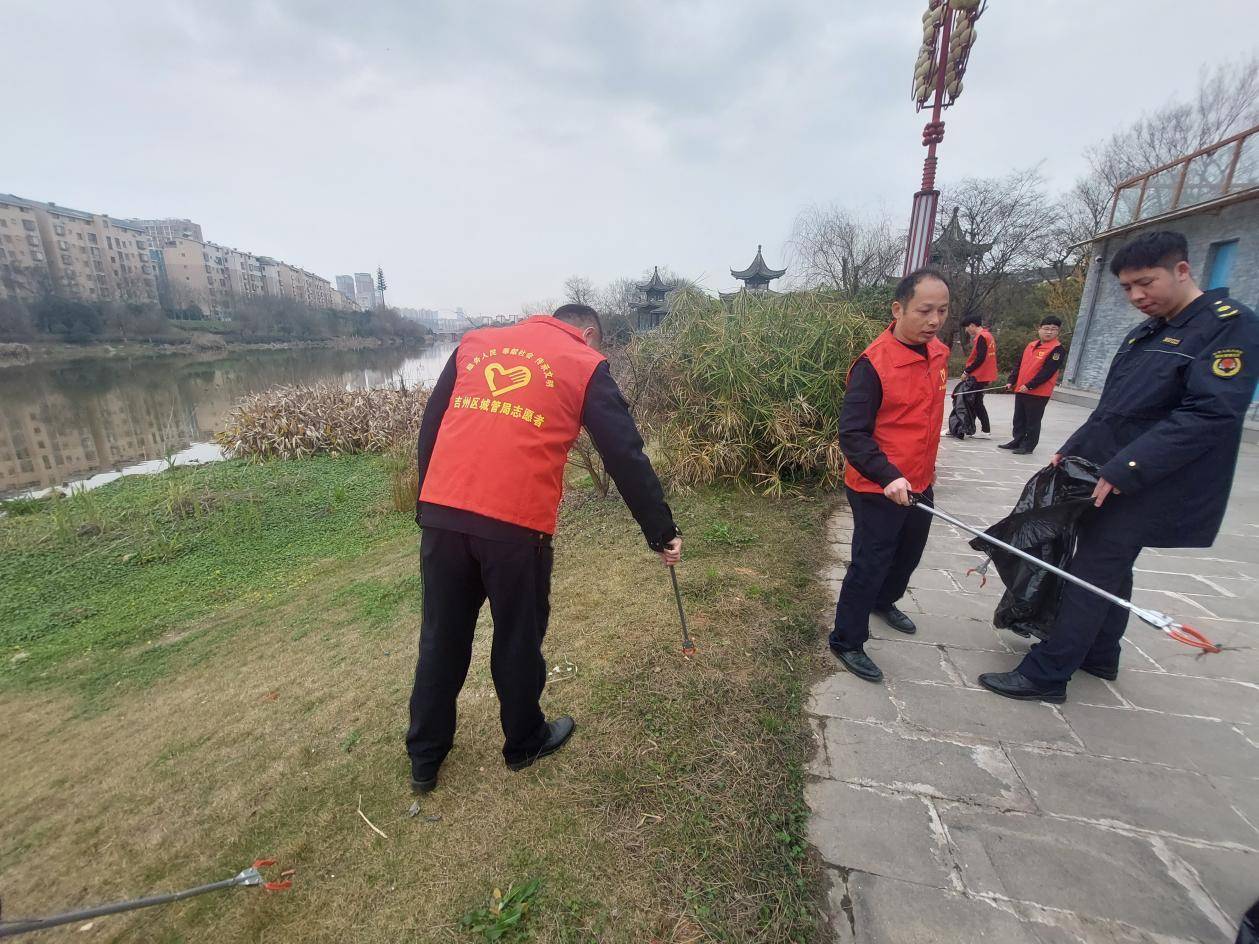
pixel 1022 452
pixel 897 620
pixel 1107 672
pixel 1012 444
pixel 859 664
pixel 1016 685
pixel 424 784
pixel 557 734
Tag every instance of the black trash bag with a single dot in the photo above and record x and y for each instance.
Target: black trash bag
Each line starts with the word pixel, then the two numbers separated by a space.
pixel 1248 933
pixel 962 419
pixel 1044 523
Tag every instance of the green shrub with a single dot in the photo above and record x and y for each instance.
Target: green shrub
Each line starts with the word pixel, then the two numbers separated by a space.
pixel 749 391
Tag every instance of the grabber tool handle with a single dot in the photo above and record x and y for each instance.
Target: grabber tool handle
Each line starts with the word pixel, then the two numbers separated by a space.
pixel 688 646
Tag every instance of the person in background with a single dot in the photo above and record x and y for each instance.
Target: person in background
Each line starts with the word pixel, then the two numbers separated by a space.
pixel 493 444
pixel 1033 380
pixel 889 431
pixel 981 365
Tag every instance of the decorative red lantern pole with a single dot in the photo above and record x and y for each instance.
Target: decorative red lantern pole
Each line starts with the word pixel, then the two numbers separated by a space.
pixel 948 34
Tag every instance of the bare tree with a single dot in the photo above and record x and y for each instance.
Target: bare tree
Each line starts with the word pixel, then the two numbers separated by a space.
pixel 1226 101
pixel 579 290
pixel 545 307
pixel 1014 219
pixel 830 247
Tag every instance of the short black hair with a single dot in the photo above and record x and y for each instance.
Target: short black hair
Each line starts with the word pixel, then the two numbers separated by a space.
pixel 579 315
pixel 973 320
pixel 1051 320
pixel 1161 248
pixel 905 287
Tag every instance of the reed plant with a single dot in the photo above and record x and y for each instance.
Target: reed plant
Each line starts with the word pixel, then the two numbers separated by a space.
pixel 301 421
pixel 748 392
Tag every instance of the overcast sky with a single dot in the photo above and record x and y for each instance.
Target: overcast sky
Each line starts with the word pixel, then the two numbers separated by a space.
pixel 482 152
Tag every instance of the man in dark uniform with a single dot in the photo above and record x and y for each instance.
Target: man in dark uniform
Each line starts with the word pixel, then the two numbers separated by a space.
pixel 493 444
pixel 889 431
pixel 1165 433
pixel 1033 380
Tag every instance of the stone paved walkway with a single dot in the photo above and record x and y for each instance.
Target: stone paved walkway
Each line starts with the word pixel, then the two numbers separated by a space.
pixel 1130 814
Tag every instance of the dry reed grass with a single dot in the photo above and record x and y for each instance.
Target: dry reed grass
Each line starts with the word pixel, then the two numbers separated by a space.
pixel 300 421
pixel 750 393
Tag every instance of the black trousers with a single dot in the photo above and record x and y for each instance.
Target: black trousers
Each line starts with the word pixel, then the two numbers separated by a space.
pixel 460 571
pixel 887 544
pixel 1088 629
pixel 1028 412
pixel 976 403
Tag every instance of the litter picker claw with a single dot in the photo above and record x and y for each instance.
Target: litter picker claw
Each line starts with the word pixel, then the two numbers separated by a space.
pixel 1186 635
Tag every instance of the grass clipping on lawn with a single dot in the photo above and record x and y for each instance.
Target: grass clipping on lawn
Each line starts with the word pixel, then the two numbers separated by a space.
pixel 749 392
pixel 189 692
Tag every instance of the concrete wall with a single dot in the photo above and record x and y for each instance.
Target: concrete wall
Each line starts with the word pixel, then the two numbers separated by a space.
pixel 1102 325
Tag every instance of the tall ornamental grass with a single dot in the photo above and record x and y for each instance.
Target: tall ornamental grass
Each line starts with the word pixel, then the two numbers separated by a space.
pixel 749 391
pixel 301 421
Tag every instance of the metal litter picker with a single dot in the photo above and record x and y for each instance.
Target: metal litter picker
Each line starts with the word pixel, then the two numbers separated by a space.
pixel 1161 621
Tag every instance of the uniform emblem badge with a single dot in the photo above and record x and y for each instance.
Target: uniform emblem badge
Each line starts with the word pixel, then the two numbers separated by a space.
pixel 503 380
pixel 1226 363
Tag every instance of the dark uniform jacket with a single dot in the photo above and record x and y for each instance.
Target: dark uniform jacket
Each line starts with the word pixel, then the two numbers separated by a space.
pixel 1167 428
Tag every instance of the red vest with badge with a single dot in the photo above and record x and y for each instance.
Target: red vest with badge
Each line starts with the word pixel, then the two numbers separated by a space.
pixel 1033 361
pixel 987 371
pixel 907 426
pixel 514 414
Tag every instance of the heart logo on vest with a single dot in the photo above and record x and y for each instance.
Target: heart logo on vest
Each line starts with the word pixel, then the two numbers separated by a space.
pixel 504 380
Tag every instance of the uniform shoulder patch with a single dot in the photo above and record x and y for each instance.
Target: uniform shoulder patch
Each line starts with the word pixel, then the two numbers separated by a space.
pixel 1226 363
pixel 1224 308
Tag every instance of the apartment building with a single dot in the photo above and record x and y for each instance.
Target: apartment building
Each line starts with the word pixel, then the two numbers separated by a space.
pixel 86 256
pixel 170 229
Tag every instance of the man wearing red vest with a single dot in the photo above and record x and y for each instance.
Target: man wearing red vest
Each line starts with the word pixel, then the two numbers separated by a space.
pixel 493 444
pixel 1033 380
pixel 889 431
pixel 981 365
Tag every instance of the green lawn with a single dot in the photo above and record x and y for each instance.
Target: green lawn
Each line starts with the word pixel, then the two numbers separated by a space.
pixel 212 664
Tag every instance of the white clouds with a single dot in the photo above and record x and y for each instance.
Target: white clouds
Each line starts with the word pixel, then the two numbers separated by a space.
pixel 482 152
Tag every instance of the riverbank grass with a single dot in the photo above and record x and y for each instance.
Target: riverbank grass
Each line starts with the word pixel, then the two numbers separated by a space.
pixel 209 665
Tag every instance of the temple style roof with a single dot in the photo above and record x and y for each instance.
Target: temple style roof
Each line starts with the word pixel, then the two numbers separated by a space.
pixel 758 271
pixel 952 244
pixel 656 284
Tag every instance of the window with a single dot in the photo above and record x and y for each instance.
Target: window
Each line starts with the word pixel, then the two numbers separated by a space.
pixel 1220 263
pixel 91 238
pixel 62 244
pixel 32 240
pixel 37 255
pixel 66 260
pixel 59 229
pixel 30 225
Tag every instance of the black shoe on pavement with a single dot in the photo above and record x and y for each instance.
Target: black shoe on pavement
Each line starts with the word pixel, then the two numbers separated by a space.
pixel 423 784
pixel 1016 685
pixel 859 664
pixel 1022 452
pixel 557 734
pixel 1107 672
pixel 1012 444
pixel 897 620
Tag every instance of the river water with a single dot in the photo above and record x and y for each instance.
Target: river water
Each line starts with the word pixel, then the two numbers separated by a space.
pixel 87 422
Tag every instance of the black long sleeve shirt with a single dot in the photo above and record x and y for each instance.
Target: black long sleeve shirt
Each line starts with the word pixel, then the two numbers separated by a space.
pixel 606 416
pixel 862 400
pixel 1053 364
pixel 978 356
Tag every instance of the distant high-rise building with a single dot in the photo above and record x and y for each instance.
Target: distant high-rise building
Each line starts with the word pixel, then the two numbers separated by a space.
pixel 365 290
pixel 345 285
pixel 170 229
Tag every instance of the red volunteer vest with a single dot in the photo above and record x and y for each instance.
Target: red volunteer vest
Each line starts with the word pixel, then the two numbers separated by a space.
pixel 907 426
pixel 987 371
pixel 1033 361
pixel 514 414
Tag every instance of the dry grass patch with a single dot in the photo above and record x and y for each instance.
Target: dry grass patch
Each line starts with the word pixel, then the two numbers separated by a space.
pixel 674 815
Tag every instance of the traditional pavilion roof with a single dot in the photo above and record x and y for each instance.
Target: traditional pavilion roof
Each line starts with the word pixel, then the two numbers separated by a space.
pixel 758 271
pixel 952 244
pixel 655 284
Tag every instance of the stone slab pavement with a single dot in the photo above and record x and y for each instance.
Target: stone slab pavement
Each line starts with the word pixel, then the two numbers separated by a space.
pixel 1130 814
